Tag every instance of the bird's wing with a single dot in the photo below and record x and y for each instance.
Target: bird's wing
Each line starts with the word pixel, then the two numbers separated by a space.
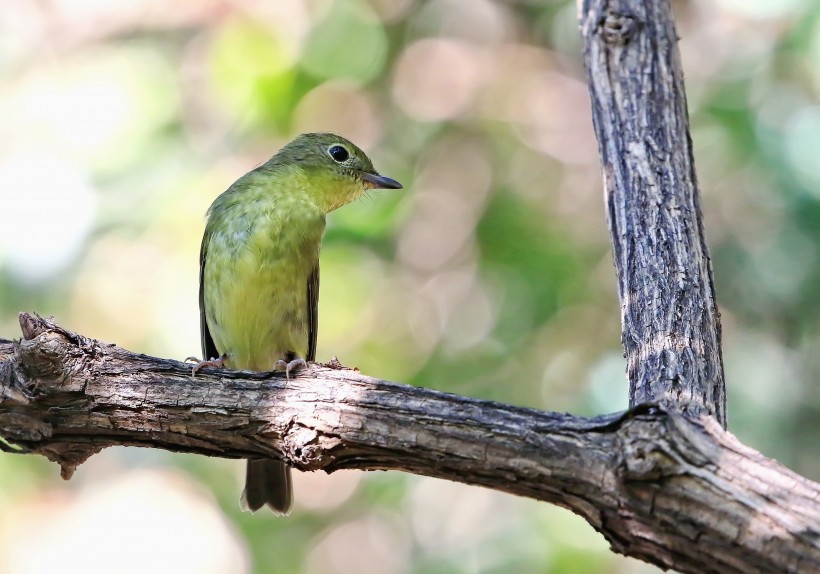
pixel 313 311
pixel 208 347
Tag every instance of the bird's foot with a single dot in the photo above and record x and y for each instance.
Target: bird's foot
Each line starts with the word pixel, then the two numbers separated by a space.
pixel 217 362
pixel 281 365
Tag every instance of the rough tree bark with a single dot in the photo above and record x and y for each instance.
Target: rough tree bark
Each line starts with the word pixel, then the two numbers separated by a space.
pixel 671 328
pixel 663 482
pixel 675 491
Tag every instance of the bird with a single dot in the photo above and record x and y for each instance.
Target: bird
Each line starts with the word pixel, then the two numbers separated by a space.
pixel 259 272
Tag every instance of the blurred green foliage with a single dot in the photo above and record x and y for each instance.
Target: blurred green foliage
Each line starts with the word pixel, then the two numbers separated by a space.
pixel 490 275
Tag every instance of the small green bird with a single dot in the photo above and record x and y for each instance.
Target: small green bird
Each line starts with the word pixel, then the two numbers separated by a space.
pixel 259 271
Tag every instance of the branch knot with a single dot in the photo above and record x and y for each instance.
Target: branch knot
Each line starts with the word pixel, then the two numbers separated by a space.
pixel 618 28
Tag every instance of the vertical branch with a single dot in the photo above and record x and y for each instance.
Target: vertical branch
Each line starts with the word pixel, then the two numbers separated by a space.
pixel 670 322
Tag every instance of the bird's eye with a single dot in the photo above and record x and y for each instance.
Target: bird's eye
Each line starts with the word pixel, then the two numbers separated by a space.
pixel 338 153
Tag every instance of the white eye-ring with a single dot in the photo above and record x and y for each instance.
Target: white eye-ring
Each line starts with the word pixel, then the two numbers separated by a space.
pixel 339 153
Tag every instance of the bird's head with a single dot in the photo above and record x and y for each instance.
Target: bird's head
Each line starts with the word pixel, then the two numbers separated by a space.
pixel 336 171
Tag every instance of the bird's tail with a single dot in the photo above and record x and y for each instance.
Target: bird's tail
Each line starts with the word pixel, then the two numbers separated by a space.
pixel 267 482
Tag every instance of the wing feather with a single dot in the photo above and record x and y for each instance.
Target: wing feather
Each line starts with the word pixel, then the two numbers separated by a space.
pixel 208 347
pixel 313 311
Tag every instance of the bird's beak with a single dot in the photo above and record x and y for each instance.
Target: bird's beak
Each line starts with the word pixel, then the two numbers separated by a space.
pixel 380 181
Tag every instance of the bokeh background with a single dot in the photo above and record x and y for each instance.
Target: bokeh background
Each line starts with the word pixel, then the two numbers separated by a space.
pixel 490 275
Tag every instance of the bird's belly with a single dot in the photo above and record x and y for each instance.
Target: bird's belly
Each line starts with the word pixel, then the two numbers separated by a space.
pixel 259 309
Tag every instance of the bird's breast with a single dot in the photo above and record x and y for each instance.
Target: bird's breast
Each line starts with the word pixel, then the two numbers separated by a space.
pixel 256 276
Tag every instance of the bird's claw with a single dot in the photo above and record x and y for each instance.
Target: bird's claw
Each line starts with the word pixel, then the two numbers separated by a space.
pixel 215 362
pixel 282 365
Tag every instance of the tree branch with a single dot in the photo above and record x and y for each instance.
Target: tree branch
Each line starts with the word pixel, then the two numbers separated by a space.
pixel 657 485
pixel 671 326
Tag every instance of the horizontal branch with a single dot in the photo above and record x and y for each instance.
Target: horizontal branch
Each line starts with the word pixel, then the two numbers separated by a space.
pixel 657 485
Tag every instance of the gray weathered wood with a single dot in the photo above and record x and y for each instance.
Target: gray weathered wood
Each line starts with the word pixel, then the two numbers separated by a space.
pixel 671 327
pixel 659 486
